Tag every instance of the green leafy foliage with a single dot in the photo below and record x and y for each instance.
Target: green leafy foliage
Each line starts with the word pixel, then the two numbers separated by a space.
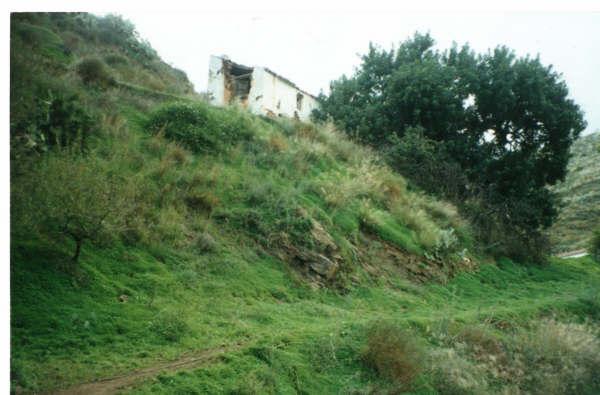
pixel 200 128
pixel 505 125
pixel 59 121
pixel 427 163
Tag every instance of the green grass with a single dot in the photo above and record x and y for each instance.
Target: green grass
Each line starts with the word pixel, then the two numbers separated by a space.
pixel 66 332
pixel 220 246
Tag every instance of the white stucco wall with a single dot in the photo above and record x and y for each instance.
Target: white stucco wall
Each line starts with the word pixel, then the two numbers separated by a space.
pixel 216 81
pixel 269 93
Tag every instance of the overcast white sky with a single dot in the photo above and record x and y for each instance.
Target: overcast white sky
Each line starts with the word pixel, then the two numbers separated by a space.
pixel 312 49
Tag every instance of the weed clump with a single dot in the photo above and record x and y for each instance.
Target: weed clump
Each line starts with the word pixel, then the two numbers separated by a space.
pixel 206 243
pixel 453 374
pixel 551 357
pixel 393 353
pixel 169 325
pixel 561 358
pixel 93 71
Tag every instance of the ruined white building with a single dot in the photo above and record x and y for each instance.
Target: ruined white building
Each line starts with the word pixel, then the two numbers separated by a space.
pixel 259 89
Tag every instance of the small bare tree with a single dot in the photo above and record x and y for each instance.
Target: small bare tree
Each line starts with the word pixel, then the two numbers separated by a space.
pixel 72 196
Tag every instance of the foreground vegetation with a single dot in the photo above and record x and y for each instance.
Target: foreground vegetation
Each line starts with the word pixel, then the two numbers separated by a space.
pixel 480 330
pixel 147 225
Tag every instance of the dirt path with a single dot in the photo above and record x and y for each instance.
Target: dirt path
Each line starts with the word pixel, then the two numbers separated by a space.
pixel 112 385
pixel 572 254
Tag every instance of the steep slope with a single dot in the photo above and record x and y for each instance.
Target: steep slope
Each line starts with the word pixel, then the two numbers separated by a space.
pixel 581 197
pixel 271 246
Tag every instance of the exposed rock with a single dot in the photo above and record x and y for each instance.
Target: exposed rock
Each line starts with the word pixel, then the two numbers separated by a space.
pixel 324 266
pixel 324 240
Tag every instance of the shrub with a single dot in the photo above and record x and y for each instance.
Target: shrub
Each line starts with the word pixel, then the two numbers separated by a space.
pixel 169 325
pixel 393 353
pixel 446 240
pixel 426 163
pixel 454 375
pixel 480 339
pixel 93 71
pixel 200 127
pixel 277 143
pixel 59 120
pixel 561 358
pixel 205 242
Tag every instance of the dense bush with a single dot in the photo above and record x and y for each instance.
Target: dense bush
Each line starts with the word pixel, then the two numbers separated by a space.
pixel 93 71
pixel 58 120
pixel 503 123
pixel 426 163
pixel 393 353
pixel 200 127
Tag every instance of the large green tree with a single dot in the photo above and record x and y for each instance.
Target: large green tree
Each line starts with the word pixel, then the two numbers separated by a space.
pixel 508 122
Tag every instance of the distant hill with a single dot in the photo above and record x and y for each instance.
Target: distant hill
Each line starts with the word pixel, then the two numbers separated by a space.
pixel 581 196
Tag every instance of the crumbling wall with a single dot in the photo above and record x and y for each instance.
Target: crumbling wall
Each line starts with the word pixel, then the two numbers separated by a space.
pixel 257 88
pixel 228 82
pixel 216 81
pixel 275 95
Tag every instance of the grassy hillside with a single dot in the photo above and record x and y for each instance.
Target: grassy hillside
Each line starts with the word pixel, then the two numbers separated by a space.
pixel 581 196
pixel 148 226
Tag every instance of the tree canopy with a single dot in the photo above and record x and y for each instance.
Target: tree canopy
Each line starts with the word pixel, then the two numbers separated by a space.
pixel 507 121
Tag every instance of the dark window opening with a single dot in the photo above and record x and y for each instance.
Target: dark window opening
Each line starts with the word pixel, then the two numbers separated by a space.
pixel 238 81
pixel 299 97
